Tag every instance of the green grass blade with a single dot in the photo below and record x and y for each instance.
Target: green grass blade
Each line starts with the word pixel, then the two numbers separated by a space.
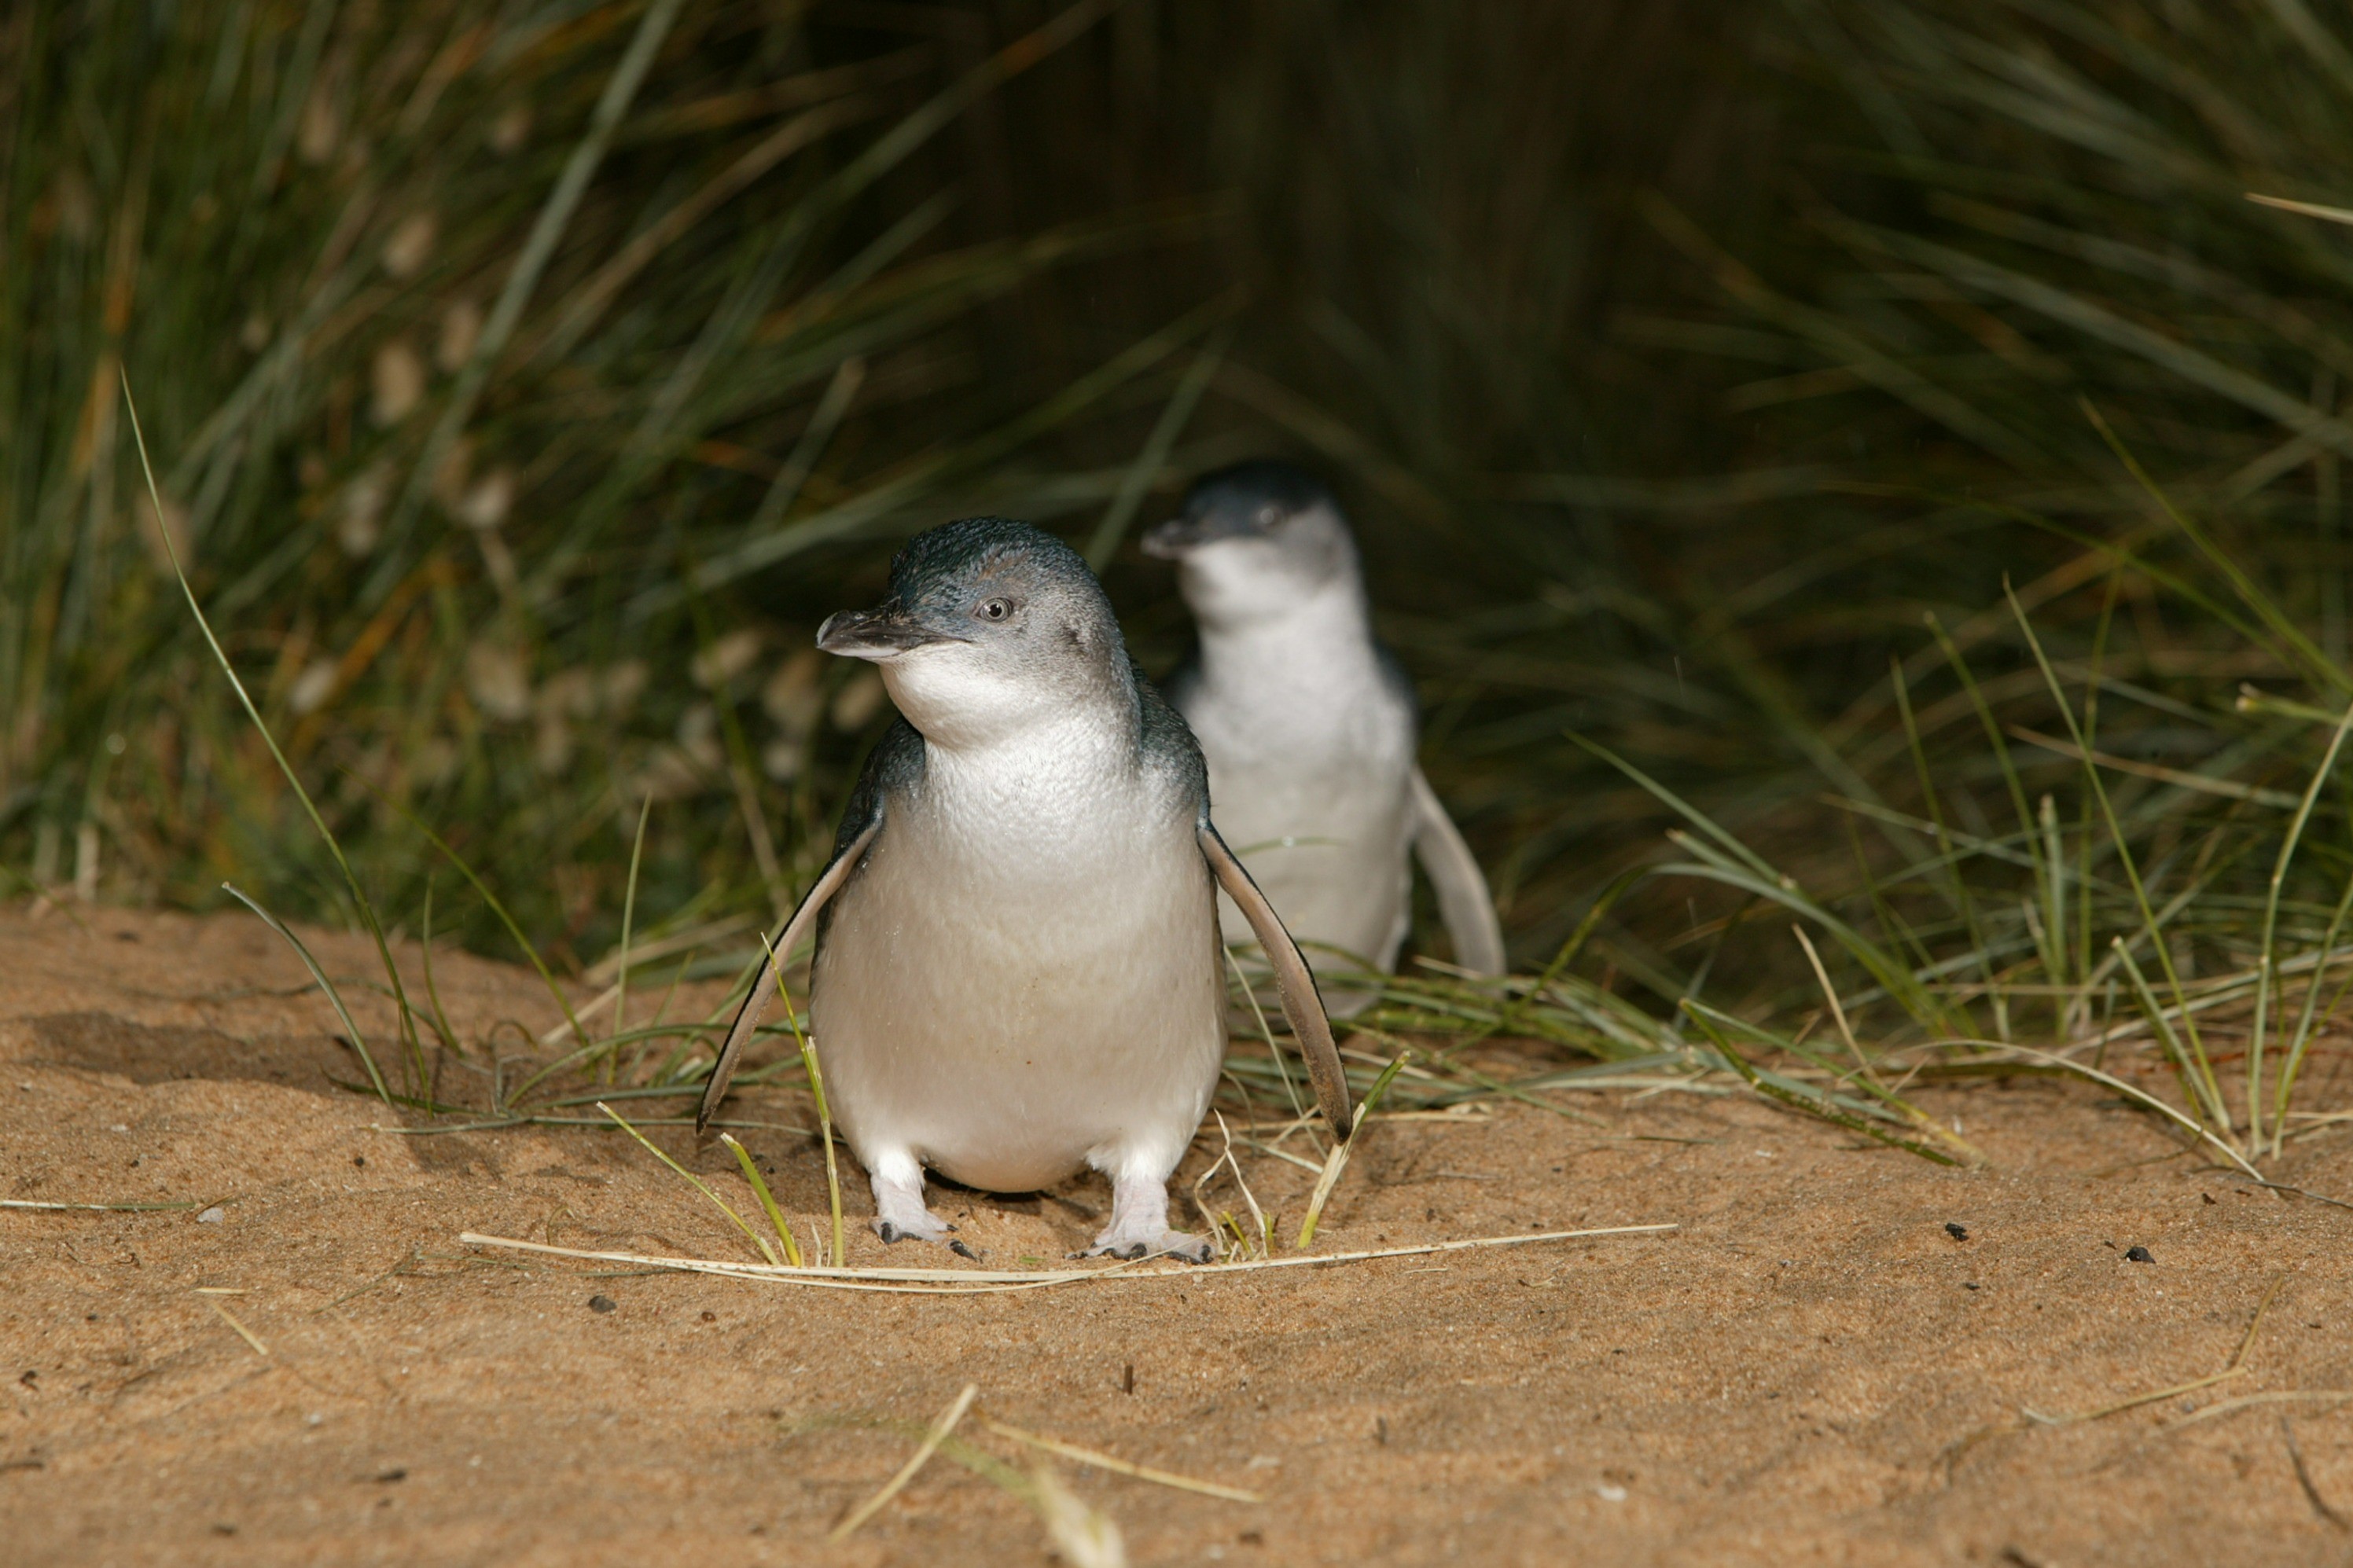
pixel 220 657
pixel 2131 867
pixel 2195 1087
pixel 2317 664
pixel 810 1065
pixel 628 923
pixel 432 989
pixel 1688 812
pixel 2267 953
pixel 1510 1016
pixel 767 1198
pixel 1861 1078
pixel 334 998
pixel 1801 1096
pixel 1958 892
pixel 1104 542
pixel 767 1252
pixel 530 949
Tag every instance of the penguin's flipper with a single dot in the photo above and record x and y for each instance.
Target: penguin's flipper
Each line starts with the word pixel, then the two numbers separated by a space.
pixel 764 990
pixel 1463 902
pixel 1301 1001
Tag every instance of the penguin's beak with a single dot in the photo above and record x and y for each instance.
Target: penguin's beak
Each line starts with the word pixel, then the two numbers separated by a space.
pixel 1171 539
pixel 879 634
pixel 1180 536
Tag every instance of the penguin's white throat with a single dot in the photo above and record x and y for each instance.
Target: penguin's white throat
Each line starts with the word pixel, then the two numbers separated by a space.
pixel 1317 633
pixel 1242 589
pixel 963 700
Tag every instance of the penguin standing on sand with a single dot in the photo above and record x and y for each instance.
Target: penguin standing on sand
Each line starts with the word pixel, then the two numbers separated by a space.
pixel 1017 970
pixel 1310 726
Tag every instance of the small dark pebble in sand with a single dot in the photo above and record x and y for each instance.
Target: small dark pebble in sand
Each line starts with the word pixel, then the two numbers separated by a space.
pixel 709 1317
pixel 1969 1284
pixel 2137 1255
pixel 1957 1232
pixel 601 1303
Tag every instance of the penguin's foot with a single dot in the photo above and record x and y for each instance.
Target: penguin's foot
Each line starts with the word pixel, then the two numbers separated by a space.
pixel 900 1213
pixel 1179 1245
pixel 1139 1217
pixel 928 1228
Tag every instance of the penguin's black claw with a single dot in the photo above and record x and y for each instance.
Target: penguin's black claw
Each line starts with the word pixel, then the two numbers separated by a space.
pixel 892 1232
pixel 1174 1243
pixel 1127 1254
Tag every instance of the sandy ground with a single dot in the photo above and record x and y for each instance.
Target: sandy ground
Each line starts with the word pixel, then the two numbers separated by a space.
pixel 1810 1370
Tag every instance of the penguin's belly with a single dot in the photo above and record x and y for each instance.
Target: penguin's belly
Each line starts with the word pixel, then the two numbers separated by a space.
pixel 1010 1013
pixel 1327 848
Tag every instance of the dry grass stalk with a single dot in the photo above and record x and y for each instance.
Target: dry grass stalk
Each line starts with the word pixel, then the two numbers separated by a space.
pixel 95 1208
pixel 2237 1368
pixel 2331 1396
pixel 1103 1461
pixel 1085 1537
pixel 242 1331
pixel 696 1182
pixel 1337 1161
pixel 916 1462
pixel 956 1281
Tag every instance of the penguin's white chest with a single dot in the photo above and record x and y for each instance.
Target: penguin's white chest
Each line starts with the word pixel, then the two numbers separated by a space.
pixel 1313 789
pixel 1023 977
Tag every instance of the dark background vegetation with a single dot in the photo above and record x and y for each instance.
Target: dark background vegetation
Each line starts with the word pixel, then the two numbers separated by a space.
pixel 1676 359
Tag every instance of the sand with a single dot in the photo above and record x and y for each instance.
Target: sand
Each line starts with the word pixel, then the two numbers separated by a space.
pixel 1810 1369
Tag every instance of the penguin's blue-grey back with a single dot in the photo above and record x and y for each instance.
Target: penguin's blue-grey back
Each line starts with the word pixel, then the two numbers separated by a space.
pixel 1167 741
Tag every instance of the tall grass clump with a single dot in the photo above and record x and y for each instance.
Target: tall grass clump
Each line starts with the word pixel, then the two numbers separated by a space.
pixel 1859 465
pixel 524 386
pixel 484 354
pixel 2029 329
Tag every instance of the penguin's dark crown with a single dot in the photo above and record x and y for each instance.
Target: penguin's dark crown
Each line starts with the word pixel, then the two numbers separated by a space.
pixel 1255 500
pixel 958 552
pixel 1246 490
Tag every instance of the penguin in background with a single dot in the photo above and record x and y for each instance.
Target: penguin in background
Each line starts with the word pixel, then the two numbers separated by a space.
pixel 1018 971
pixel 1310 727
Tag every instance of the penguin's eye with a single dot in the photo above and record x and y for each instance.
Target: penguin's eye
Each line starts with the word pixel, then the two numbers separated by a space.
pixel 993 609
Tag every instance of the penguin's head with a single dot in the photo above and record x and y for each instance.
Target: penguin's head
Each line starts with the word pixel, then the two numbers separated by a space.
pixel 1253 541
pixel 990 627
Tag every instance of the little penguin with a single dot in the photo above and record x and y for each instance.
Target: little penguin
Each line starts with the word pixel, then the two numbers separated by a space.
pixel 1018 971
pixel 1310 727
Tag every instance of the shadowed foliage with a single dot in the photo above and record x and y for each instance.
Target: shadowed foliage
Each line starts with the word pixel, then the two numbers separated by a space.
pixel 1878 440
